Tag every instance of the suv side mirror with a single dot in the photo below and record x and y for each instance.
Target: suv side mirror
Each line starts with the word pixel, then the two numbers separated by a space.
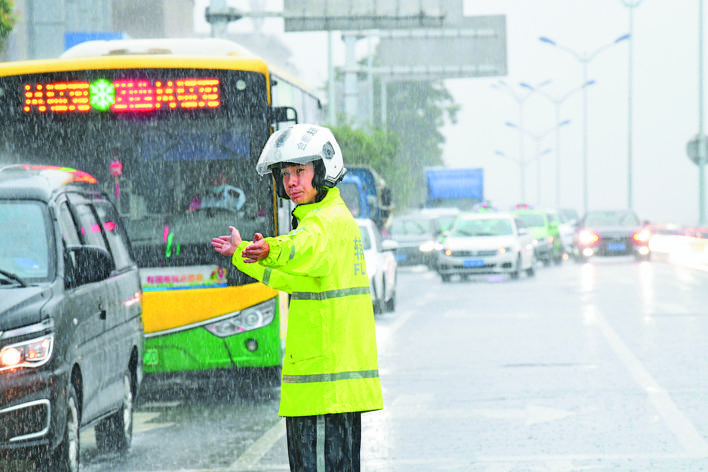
pixel 91 264
pixel 523 231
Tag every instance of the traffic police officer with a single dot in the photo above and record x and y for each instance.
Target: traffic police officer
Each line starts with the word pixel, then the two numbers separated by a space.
pixel 330 370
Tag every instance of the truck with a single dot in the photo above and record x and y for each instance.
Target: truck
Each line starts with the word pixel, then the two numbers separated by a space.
pixel 366 194
pixel 461 188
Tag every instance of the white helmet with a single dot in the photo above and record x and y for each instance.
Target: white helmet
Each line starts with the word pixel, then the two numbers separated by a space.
pixel 300 144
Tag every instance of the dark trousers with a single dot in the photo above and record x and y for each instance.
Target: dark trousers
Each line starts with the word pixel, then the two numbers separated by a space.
pixel 324 443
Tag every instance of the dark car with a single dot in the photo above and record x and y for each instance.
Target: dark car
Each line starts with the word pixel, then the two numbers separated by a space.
pixel 417 237
pixel 611 233
pixel 71 332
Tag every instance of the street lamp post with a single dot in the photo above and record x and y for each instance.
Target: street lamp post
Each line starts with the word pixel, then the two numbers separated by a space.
pixel 520 99
pixel 538 137
pixel 584 60
pixel 701 137
pixel 631 5
pixel 558 101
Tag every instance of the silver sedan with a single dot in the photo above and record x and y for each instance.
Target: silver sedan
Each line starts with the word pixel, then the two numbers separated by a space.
pixel 486 243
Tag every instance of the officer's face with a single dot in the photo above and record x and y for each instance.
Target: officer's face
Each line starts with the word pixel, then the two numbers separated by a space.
pixel 297 180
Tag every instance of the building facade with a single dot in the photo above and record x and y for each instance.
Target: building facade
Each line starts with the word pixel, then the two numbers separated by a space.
pixel 45 28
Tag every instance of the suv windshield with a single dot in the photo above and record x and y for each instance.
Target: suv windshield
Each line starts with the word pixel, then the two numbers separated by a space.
pixel 482 227
pixel 411 227
pixel 24 242
pixel 611 218
pixel 534 220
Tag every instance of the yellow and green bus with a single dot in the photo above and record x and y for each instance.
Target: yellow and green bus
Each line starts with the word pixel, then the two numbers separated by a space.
pixel 173 130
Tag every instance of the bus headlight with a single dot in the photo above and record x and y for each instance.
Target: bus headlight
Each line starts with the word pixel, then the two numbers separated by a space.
pixel 32 353
pixel 245 320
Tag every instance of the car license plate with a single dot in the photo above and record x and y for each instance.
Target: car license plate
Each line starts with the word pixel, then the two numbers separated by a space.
pixel 473 263
pixel 616 247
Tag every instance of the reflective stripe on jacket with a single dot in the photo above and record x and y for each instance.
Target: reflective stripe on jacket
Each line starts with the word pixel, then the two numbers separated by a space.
pixel 331 363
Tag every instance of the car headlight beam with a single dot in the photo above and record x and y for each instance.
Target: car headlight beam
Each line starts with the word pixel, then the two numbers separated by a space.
pixel 587 237
pixel 642 236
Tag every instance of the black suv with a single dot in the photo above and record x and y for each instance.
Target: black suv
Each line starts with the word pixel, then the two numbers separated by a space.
pixel 71 330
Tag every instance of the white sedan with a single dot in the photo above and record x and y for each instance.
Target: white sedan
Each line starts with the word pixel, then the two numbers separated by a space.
pixel 486 243
pixel 381 266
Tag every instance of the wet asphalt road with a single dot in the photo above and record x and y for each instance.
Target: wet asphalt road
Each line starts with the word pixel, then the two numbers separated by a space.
pixel 598 366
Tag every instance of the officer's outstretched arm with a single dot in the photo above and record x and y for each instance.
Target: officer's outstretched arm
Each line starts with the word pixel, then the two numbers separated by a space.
pixel 304 252
pixel 272 277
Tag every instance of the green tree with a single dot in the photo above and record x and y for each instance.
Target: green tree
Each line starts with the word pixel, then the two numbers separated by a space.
pixel 416 112
pixel 378 149
pixel 7 21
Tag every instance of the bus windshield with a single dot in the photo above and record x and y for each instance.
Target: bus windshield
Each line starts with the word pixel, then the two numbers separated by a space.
pixel 179 175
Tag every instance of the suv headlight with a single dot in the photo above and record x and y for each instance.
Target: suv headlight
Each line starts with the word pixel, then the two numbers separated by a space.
pixel 586 238
pixel 642 236
pixel 245 320
pixel 32 353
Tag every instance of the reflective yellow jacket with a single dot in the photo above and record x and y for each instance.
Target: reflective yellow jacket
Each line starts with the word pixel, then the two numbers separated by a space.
pixel 331 362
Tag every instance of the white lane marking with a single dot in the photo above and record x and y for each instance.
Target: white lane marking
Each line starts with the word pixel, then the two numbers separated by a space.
pixel 253 454
pixel 142 422
pixel 531 415
pixel 686 433
pixel 419 406
pixel 413 401
pixel 384 333
pixel 465 314
pixel 154 405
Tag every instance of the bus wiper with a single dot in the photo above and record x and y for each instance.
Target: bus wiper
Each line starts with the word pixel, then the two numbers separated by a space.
pixel 13 277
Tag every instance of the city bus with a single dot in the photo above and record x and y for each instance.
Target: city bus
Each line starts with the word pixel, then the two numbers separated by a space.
pixel 173 130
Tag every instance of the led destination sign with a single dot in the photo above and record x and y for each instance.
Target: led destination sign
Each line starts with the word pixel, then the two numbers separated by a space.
pixel 121 95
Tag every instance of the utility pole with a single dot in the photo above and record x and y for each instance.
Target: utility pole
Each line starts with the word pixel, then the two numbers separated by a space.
pixel 701 136
pixel 631 5
pixel 218 15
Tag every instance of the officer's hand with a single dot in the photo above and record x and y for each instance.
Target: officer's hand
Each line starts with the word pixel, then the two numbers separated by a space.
pixel 227 245
pixel 257 250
